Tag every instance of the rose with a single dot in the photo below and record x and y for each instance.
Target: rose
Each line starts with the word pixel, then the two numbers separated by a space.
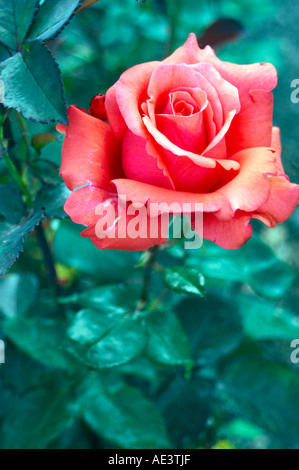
pixel 189 129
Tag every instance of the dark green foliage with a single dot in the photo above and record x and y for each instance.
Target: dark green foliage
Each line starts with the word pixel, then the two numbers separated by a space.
pixel 31 76
pixel 15 19
pixel 114 413
pixel 265 394
pixel 167 341
pixel 253 264
pixel 166 349
pixel 11 205
pixel 51 18
pixel 33 85
pixel 12 238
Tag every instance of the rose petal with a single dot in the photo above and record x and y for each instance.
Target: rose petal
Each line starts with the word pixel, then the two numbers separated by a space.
pixel 247 191
pixel 228 93
pixel 190 53
pixel 206 134
pixel 139 165
pixel 252 127
pixel 187 132
pixel 90 152
pixel 276 145
pixel 167 78
pixel 217 148
pixel 148 194
pixel 185 97
pixel 115 118
pixel 250 80
pixel 130 91
pixel 250 189
pixel 81 204
pixel 97 107
pixel 174 149
pixel 282 201
pixel 245 78
pixel 110 238
pixel 231 234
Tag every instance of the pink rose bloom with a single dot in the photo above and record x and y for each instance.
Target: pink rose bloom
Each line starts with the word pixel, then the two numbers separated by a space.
pixel 189 129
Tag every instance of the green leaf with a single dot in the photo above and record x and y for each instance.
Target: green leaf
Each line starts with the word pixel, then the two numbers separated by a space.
pixel 47 172
pixel 255 264
pixel 109 299
pixel 116 345
pixel 104 265
pixel 4 54
pixel 123 417
pixel 78 436
pixel 37 402
pixel 12 238
pixel 15 19
pixel 265 394
pixel 11 204
pixel 185 281
pixel 167 341
pixel 213 327
pixel 51 199
pixel 17 294
pixel 51 18
pixel 33 84
pixel 186 406
pixel 263 320
pixel 43 339
pixel 106 333
pixel 90 325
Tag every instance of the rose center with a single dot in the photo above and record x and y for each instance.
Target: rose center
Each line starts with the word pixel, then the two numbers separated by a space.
pixel 183 109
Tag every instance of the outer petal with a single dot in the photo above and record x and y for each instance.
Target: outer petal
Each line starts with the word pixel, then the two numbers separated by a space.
pixel 252 127
pixel 190 53
pixel 250 189
pixel 136 244
pixel 276 145
pixel 130 91
pixel 231 234
pixel 81 206
pixel 283 199
pixel 90 152
pixel 247 191
pixel 149 195
pixel 115 118
pixel 261 76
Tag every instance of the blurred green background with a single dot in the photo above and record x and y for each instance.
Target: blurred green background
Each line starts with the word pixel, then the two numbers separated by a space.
pixel 235 386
